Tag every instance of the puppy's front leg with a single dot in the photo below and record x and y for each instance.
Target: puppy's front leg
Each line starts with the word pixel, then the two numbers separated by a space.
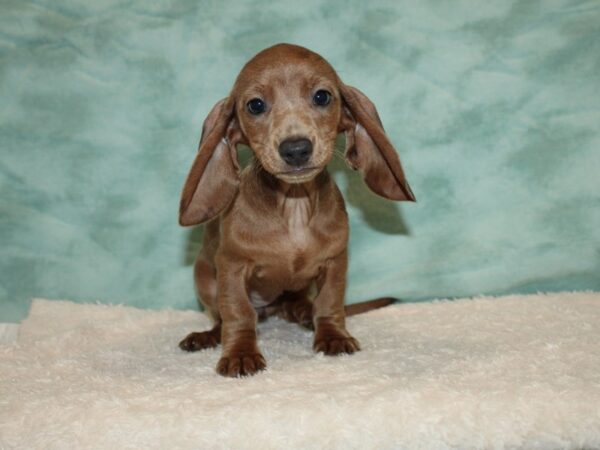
pixel 240 355
pixel 331 336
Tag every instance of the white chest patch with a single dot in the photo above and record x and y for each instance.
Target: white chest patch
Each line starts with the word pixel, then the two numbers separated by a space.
pixel 297 212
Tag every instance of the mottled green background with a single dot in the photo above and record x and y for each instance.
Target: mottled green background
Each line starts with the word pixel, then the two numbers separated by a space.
pixel 494 107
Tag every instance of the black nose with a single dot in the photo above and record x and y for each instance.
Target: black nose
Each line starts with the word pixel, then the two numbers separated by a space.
pixel 295 152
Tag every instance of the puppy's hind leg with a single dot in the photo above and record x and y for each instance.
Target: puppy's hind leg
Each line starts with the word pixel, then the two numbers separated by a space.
pixel 206 289
pixel 199 340
pixel 296 307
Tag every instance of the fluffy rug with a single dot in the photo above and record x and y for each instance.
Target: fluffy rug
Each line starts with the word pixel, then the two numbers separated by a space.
pixel 508 372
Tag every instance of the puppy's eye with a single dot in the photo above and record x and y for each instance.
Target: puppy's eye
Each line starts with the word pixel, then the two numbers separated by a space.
pixel 256 106
pixel 322 97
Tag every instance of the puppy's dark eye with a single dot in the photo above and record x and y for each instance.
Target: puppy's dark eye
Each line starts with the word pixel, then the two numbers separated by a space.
pixel 322 97
pixel 256 106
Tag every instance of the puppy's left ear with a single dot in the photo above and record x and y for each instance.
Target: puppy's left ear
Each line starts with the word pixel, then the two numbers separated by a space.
pixel 368 148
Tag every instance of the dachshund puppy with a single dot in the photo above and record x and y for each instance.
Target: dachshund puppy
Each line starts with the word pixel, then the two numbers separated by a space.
pixel 277 231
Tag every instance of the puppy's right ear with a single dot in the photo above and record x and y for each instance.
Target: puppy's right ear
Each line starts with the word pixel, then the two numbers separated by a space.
pixel 214 177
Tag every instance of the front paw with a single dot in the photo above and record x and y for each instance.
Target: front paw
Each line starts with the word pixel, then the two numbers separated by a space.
pixel 240 364
pixel 333 342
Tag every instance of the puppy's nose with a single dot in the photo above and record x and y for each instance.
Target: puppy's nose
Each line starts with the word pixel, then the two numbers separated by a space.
pixel 295 152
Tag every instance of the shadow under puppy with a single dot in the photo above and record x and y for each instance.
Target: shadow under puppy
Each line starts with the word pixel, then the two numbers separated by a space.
pixel 278 229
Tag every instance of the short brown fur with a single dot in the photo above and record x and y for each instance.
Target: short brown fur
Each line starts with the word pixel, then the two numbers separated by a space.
pixel 275 233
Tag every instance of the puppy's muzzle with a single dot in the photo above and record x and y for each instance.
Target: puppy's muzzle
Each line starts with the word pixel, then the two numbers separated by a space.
pixel 296 152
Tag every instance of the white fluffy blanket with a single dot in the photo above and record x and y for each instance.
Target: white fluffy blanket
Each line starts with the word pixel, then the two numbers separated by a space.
pixel 508 372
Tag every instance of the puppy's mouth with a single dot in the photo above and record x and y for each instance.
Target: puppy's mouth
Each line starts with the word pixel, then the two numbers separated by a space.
pixel 298 174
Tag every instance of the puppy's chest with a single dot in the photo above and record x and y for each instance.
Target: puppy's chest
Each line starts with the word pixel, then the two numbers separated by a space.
pixel 296 214
pixel 297 250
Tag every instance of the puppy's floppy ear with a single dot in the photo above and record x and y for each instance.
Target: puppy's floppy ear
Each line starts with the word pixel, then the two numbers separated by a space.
pixel 368 149
pixel 214 177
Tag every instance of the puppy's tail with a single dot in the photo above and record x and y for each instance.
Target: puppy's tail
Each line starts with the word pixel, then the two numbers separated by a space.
pixel 363 307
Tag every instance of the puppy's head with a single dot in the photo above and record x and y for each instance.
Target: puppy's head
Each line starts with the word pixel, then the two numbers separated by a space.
pixel 288 105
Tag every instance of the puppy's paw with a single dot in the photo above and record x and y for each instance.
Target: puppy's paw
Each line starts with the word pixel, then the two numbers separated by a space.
pixel 240 364
pixel 303 316
pixel 335 344
pixel 201 340
pixel 299 311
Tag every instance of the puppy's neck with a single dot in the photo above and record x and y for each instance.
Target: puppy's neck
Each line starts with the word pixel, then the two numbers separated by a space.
pixel 290 198
pixel 306 190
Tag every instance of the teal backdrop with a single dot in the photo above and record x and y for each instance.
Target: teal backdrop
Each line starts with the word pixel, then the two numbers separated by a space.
pixel 493 106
